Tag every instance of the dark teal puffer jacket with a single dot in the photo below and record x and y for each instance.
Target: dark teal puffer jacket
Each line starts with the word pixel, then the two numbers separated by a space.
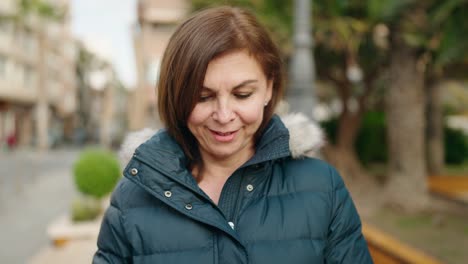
pixel 274 209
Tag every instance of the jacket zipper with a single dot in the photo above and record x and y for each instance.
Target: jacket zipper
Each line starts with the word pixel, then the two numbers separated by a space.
pixel 239 199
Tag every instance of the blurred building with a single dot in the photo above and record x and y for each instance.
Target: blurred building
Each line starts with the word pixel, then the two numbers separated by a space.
pixel 37 75
pixel 101 98
pixel 157 20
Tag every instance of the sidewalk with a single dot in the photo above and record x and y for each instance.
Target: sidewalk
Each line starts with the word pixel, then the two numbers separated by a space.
pixel 34 189
pixel 70 242
pixel 73 252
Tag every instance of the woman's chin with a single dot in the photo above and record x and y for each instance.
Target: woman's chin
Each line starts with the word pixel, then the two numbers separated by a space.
pixel 229 151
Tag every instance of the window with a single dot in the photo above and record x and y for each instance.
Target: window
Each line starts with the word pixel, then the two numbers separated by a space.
pixel 17 74
pixel 29 77
pixel 28 42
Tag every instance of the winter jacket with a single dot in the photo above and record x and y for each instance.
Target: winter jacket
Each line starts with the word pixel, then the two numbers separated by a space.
pixel 279 207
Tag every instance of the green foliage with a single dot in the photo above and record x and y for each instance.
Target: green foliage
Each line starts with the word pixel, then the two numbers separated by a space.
pixel 371 145
pixel 386 10
pixel 444 9
pixel 457 169
pixel 330 127
pixel 96 172
pixel 452 43
pixel 456 146
pixel 85 209
pixel 40 8
pixel 414 221
pixel 371 140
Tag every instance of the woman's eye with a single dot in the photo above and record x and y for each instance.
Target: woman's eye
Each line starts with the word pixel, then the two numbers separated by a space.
pixel 204 98
pixel 243 95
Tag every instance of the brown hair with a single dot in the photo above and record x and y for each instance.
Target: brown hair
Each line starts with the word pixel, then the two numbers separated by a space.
pixel 201 38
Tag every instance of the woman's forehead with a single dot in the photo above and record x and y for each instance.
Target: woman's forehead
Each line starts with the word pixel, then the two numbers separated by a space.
pixel 234 67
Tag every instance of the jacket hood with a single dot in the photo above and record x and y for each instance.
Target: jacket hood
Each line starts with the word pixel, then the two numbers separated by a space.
pixel 305 137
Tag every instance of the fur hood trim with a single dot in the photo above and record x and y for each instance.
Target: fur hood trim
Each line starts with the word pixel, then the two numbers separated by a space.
pixel 305 138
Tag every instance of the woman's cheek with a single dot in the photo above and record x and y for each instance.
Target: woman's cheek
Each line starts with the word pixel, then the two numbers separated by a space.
pixel 252 113
pixel 199 114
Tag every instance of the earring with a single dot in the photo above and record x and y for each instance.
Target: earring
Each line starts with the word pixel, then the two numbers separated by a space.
pixel 266 103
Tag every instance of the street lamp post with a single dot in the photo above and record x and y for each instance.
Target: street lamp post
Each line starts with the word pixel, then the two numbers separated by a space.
pixel 301 72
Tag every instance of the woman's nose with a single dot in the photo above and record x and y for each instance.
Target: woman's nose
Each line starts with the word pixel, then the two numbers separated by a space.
pixel 223 112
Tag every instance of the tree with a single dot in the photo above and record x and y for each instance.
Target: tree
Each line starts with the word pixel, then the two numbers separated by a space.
pixel 348 56
pixel 449 56
pixel 417 30
pixel 409 37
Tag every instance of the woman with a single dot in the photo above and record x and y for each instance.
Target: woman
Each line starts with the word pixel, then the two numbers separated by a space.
pixel 220 183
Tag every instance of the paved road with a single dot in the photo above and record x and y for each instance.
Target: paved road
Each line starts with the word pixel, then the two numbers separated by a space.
pixel 34 189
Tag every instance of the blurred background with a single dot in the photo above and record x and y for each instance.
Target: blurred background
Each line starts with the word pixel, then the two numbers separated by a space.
pixel 386 79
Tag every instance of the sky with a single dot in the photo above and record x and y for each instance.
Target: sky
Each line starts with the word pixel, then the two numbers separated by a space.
pixel 105 25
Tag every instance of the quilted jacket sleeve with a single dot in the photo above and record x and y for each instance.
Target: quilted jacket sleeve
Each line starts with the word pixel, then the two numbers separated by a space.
pixel 113 246
pixel 346 244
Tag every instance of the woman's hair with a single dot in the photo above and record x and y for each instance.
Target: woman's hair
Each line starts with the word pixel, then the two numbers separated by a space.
pixel 198 40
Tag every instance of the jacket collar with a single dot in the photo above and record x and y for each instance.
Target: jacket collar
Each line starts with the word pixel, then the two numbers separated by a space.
pixel 164 152
pixel 273 144
pixel 291 134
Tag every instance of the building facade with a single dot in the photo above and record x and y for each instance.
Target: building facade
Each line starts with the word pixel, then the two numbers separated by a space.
pixel 37 76
pixel 101 113
pixel 157 20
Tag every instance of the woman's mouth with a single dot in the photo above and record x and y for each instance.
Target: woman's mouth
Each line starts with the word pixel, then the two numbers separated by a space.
pixel 223 136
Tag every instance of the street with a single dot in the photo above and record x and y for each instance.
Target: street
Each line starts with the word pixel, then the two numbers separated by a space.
pixel 35 188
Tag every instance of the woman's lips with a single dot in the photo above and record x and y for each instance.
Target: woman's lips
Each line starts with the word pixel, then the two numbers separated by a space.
pixel 223 136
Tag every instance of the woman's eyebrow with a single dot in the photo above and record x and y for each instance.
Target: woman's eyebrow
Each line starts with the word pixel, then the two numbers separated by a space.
pixel 242 84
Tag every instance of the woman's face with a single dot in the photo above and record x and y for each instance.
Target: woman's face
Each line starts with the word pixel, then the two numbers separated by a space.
pixel 230 108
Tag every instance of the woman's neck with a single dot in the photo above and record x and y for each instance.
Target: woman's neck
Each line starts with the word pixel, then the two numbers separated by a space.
pixel 212 173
